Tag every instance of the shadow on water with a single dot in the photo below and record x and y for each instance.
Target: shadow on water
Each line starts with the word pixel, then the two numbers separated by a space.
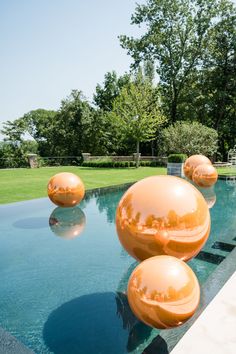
pixel 95 323
pixel 158 346
pixel 31 223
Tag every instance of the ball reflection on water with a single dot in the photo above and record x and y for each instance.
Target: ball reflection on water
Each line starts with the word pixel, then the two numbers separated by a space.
pixel 67 223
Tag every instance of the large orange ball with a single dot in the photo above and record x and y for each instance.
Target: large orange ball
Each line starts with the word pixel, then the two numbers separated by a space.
pixel 163 292
pixel 67 223
pixel 65 189
pixel 192 162
pixel 162 215
pixel 205 175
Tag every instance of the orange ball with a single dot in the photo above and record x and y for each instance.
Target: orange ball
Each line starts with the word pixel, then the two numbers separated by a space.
pixel 162 215
pixel 163 292
pixel 192 162
pixel 65 189
pixel 205 175
pixel 67 223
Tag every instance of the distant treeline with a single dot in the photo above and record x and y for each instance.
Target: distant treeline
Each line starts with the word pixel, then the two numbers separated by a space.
pixel 183 72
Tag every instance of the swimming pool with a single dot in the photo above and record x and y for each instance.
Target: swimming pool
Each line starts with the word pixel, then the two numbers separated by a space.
pixel 64 275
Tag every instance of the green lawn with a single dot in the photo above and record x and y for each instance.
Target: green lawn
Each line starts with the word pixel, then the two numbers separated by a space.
pixel 23 184
pixel 227 171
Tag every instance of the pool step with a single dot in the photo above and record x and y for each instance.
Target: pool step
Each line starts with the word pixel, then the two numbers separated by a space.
pixel 210 257
pixel 223 246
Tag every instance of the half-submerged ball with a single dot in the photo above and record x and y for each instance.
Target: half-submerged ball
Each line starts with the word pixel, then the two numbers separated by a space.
pixel 163 292
pixel 66 189
pixel 205 176
pixel 192 162
pixel 162 215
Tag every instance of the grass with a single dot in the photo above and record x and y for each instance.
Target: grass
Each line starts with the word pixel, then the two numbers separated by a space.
pixel 227 171
pixel 24 184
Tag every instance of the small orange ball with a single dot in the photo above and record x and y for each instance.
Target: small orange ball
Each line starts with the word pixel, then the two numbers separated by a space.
pixel 163 292
pixel 65 189
pixel 67 223
pixel 192 162
pixel 205 176
pixel 162 215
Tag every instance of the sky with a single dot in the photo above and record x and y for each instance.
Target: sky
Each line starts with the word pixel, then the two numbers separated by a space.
pixel 50 47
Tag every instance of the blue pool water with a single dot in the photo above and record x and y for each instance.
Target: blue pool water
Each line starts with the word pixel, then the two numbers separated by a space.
pixel 65 293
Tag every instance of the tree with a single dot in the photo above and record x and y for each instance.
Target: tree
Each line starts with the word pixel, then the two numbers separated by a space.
pixel 106 94
pixel 176 37
pixel 38 124
pixel 218 78
pixel 71 130
pixel 137 112
pixel 189 138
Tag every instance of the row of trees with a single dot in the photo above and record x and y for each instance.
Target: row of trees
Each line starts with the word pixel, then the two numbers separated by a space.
pixel 184 70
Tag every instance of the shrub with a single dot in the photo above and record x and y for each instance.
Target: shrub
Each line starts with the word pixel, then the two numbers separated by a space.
pixel 108 164
pixel 189 138
pixel 145 163
pixel 119 164
pixel 177 158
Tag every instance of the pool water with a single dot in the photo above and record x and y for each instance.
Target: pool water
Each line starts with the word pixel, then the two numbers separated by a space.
pixel 64 274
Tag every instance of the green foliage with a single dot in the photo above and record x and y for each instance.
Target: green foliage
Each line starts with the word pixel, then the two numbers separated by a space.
pixel 149 163
pixel 189 138
pixel 177 33
pixel 13 155
pixel 193 47
pixel 106 163
pixel 177 158
pixel 106 94
pixel 136 111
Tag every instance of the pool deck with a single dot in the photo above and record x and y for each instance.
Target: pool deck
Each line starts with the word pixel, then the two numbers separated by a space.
pixel 214 331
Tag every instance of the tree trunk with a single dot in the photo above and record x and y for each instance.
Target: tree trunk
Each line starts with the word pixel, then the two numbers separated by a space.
pixel 137 154
pixel 174 110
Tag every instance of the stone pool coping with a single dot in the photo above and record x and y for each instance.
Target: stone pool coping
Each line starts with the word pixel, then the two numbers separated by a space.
pixel 214 330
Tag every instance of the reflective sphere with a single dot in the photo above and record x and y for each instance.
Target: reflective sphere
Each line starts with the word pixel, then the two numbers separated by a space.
pixel 67 223
pixel 65 189
pixel 192 162
pixel 162 215
pixel 163 292
pixel 205 175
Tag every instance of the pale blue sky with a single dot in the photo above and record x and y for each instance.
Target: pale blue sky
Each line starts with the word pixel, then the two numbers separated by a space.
pixel 49 47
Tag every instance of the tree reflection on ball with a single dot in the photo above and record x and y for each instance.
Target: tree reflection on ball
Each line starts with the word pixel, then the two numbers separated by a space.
pixel 67 223
pixel 192 162
pixel 163 292
pixel 162 215
pixel 66 189
pixel 205 176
